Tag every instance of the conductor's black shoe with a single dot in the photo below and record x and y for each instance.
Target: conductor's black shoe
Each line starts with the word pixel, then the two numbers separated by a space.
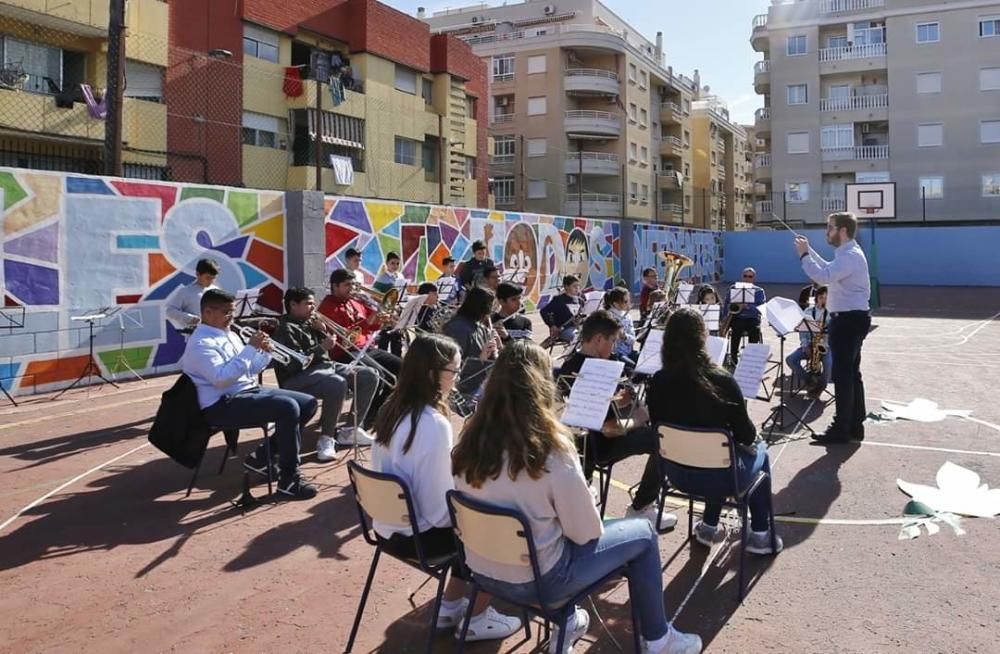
pixel 296 488
pixel 831 436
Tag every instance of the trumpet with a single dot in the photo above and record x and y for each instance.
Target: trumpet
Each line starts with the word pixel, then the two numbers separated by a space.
pixel 282 354
pixel 348 338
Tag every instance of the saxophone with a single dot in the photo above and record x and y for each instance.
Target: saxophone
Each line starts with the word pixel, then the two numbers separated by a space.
pixel 814 367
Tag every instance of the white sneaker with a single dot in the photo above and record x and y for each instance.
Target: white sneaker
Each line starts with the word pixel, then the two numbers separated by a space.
pixel 577 624
pixel 595 492
pixel 490 625
pixel 449 618
pixel 709 536
pixel 648 513
pixel 348 436
pixel 326 449
pixel 674 642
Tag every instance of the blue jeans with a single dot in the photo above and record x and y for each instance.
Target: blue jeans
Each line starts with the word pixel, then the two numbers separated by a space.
pixel 288 410
pixel 795 359
pixel 624 542
pixel 719 484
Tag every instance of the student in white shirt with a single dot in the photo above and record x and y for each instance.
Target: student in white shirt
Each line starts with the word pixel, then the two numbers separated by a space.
pixel 184 305
pixel 514 453
pixel 618 303
pixel 224 371
pixel 413 441
pixel 388 279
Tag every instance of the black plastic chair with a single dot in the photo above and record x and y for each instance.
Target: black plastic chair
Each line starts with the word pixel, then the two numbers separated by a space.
pixel 232 439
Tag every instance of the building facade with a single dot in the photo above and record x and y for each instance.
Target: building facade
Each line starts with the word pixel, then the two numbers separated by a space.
pixel 585 117
pixel 906 91
pixel 722 176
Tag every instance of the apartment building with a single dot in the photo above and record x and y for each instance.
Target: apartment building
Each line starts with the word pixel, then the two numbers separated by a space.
pixel 906 91
pixel 722 177
pixel 51 55
pixel 406 111
pixel 586 118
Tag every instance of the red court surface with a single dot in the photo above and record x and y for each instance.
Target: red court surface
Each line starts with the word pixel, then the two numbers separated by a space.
pixel 101 552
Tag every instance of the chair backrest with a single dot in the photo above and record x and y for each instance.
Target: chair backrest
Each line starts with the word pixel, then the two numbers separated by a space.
pixel 497 535
pixel 695 448
pixel 383 497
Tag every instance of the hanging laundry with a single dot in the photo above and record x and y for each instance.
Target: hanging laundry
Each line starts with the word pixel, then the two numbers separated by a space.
pixel 336 61
pixel 336 91
pixel 320 65
pixel 98 110
pixel 293 82
pixel 343 170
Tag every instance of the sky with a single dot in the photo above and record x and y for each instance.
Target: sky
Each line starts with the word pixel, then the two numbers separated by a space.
pixel 710 35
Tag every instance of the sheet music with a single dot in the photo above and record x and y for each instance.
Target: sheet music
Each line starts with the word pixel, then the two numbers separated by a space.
pixel 649 357
pixel 710 312
pixel 783 315
pixel 716 349
pixel 684 291
pixel 750 370
pixel 593 389
pixel 593 302
pixel 408 317
pixel 742 293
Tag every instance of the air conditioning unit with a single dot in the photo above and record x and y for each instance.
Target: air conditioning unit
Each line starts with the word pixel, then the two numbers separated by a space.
pixel 475 19
pixel 550 10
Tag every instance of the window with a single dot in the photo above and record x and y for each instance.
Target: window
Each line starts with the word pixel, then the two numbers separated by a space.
pixel 687 139
pixel 989 131
pixel 406 80
pixel 796 45
pixel 471 105
pixel 991 185
pixel 643 117
pixel 989 79
pixel 644 154
pixel 470 168
pixel 503 67
pixel 687 171
pixel 798 94
pixel 537 106
pixel 537 189
pixel 836 137
pixel 503 146
pixel 643 79
pixel 878 177
pixel 260 43
pixel 632 111
pixel 928 82
pixel 536 64
pixel 37 60
pixel 928 32
pixel 644 194
pixel 632 72
pixel 633 189
pixel 503 189
pixel 989 26
pixel 932 188
pixel 264 131
pixel 537 147
pixel 839 95
pixel 406 151
pixel 427 90
pixel 837 42
pixel 930 135
pixel 797 192
pixel 144 81
pixel 797 143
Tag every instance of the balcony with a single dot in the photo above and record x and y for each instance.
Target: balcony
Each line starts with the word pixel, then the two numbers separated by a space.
pixel 671 146
pixel 762 166
pixel 669 181
pixel 848 6
pixel 593 163
pixel 762 76
pixel 855 103
pixel 762 120
pixel 834 204
pixel 502 159
pixel 500 119
pixel 594 204
pixel 671 113
pixel 852 58
pixel 758 37
pixel 764 208
pixel 672 212
pixel 857 153
pixel 593 123
pixel 590 81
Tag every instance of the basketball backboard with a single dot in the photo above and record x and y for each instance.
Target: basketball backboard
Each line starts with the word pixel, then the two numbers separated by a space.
pixel 872 201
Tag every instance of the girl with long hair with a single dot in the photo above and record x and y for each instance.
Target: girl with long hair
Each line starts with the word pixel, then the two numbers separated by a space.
pixel 515 453
pixel 478 343
pixel 413 440
pixel 691 391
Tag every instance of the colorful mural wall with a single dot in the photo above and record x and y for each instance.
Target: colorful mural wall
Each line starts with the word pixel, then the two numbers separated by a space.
pixel 543 248
pixel 703 247
pixel 75 245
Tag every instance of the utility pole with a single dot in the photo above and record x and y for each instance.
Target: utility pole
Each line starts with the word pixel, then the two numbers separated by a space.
pixel 115 92
pixel 441 146
pixel 318 145
pixel 579 177
pixel 524 181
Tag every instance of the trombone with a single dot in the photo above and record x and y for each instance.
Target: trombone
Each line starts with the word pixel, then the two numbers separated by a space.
pixel 282 354
pixel 347 337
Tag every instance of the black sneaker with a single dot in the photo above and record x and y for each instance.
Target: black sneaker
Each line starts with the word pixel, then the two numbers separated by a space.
pixel 297 488
pixel 255 463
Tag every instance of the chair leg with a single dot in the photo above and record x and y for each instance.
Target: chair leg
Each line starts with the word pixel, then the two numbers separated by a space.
pixel 526 619
pixel 659 510
pixel 690 518
pixel 467 619
pixel 562 628
pixel 267 456
pixel 232 438
pixel 436 610
pixel 605 480
pixel 364 600
pixel 194 477
pixel 636 640
pixel 744 537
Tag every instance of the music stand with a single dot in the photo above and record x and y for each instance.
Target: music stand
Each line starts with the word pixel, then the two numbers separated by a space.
pixel 91 370
pixel 135 320
pixel 785 317
pixel 11 318
pixel 246 300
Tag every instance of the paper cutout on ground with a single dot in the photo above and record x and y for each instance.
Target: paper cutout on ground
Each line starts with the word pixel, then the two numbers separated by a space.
pixel 926 517
pixel 593 389
pixel 716 349
pixel 783 314
pixel 649 357
pixel 920 410
pixel 958 491
pixel 750 370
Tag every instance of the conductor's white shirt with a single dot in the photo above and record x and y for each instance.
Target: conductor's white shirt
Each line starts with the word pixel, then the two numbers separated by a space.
pixel 846 276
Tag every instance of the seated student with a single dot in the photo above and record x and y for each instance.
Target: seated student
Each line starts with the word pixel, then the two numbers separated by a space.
pixel 707 295
pixel 508 321
pixel 323 379
pixel 414 441
pixel 617 302
pixel 470 329
pixel 388 279
pixel 490 278
pixel 471 270
pixel 747 319
pixel 561 310
pixel 430 306
pixel 224 371
pixel 691 391
pixel 817 313
pixel 447 284
pixel 650 283
pixel 598 335
pixel 514 453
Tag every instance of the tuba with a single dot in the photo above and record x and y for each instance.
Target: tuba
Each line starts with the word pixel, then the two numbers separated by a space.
pixel 675 263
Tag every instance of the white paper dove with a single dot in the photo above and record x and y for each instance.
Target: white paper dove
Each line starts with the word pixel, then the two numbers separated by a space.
pixel 958 491
pixel 921 410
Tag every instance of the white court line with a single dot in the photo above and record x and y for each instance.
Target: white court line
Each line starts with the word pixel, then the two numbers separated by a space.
pixel 69 483
pixel 929 449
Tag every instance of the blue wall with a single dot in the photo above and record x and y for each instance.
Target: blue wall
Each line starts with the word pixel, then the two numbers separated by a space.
pixel 907 256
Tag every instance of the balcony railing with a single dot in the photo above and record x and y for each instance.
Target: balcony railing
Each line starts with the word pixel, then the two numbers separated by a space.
pixel 834 204
pixel 673 140
pixel 854 102
pixel 762 66
pixel 673 208
pixel 593 156
pixel 503 118
pixel 764 113
pixel 765 207
pixel 759 21
pixel 593 163
pixel 857 153
pixel 592 72
pixel 502 158
pixel 593 122
pixel 504 200
pixel 595 198
pixel 762 161
pixel 843 6
pixel 852 52
pixel 672 107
